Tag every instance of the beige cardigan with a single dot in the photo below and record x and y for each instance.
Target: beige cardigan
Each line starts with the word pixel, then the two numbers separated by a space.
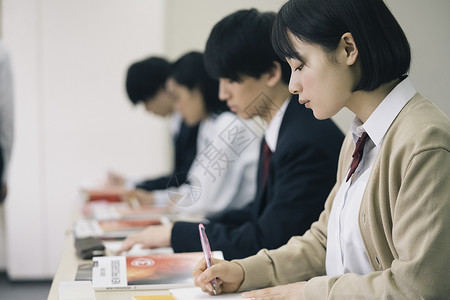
pixel 404 220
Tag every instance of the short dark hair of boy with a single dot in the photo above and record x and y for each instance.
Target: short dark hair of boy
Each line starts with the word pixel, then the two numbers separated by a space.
pixel 384 51
pixel 189 71
pixel 240 44
pixel 145 78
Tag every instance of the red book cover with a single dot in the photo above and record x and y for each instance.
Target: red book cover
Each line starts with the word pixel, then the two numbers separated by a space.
pixel 107 193
pixel 161 271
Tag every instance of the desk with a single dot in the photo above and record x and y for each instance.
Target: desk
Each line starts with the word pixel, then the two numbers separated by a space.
pixel 67 270
pixel 69 262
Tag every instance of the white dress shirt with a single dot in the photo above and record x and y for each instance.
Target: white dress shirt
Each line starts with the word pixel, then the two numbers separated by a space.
pixel 175 120
pixel 273 128
pixel 6 108
pixel 206 131
pixel 222 175
pixel 346 252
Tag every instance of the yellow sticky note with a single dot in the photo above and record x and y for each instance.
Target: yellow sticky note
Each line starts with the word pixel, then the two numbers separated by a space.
pixel 160 297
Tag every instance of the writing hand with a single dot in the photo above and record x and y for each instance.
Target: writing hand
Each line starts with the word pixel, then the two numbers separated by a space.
pixel 115 179
pixel 229 276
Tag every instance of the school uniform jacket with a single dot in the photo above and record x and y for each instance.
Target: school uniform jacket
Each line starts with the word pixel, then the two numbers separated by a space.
pixel 404 220
pixel 301 174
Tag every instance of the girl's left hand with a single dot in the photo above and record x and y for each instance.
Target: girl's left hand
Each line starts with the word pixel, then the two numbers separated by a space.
pixel 286 292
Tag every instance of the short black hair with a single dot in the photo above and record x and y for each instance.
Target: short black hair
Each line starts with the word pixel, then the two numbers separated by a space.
pixel 145 78
pixel 189 71
pixel 240 44
pixel 384 51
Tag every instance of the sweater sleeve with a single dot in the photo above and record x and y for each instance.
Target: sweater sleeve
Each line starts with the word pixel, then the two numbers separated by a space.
pixel 421 240
pixel 302 258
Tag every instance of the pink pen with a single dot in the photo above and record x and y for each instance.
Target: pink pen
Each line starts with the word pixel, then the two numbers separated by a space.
pixel 207 252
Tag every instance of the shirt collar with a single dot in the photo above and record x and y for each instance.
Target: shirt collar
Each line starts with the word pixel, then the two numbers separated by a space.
pixel 175 121
pixel 273 128
pixel 382 117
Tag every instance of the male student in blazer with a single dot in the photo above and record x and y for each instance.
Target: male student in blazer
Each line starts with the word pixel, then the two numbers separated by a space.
pixel 145 83
pixel 293 183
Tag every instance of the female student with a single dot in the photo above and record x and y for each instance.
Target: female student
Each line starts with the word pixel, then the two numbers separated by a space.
pixel 385 230
pixel 221 177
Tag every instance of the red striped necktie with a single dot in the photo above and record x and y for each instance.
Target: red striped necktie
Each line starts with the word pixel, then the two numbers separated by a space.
pixel 357 154
pixel 267 154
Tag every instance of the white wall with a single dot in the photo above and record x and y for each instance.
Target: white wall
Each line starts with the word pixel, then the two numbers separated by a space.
pixel 189 23
pixel 426 24
pixel 73 120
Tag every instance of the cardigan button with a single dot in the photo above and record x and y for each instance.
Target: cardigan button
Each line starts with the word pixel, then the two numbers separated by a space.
pixel 364 218
pixel 378 261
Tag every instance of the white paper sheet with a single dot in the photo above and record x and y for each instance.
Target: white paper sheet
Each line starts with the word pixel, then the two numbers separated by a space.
pixel 76 290
pixel 197 294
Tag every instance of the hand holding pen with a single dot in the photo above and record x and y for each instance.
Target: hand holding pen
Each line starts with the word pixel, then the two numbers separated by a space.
pixel 207 251
pixel 217 276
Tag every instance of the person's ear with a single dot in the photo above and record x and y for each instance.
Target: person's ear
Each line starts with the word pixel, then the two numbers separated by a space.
pixel 274 74
pixel 349 49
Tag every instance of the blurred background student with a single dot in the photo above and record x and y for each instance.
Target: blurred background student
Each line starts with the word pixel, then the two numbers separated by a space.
pixel 145 84
pixel 6 117
pixel 222 174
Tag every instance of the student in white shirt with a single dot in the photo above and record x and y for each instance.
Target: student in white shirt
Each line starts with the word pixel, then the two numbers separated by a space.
pixel 385 230
pixel 222 174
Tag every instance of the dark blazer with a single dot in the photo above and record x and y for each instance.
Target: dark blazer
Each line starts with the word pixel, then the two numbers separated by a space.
pixel 302 172
pixel 185 144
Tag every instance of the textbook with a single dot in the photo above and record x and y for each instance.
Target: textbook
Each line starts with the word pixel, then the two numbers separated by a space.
pixel 107 193
pixel 111 229
pixel 162 271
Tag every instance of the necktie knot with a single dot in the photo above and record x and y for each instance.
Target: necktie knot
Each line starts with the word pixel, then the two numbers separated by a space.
pixel 357 154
